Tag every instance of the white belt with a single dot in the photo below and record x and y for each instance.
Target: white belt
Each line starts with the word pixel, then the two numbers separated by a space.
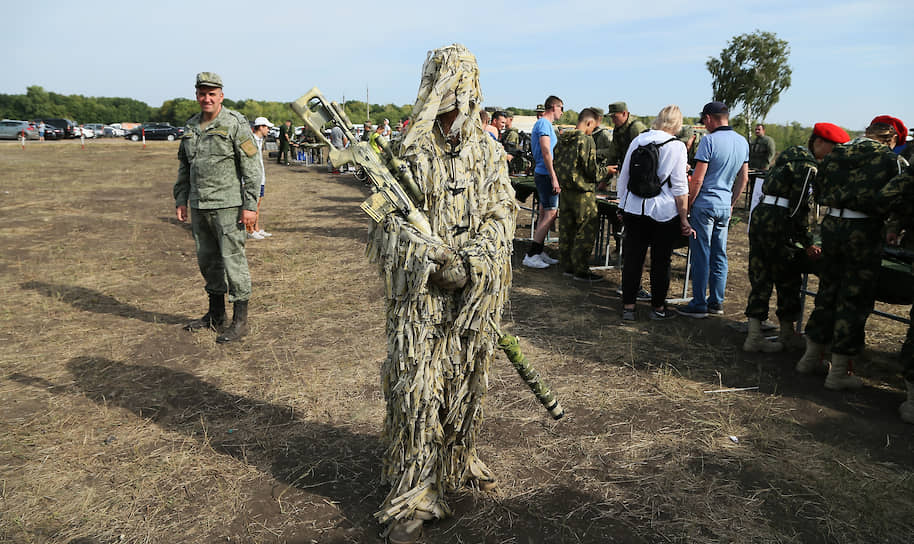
pixel 845 213
pixel 779 201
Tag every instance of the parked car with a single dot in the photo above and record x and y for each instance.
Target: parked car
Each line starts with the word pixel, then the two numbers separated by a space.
pixel 155 131
pixel 69 128
pixel 10 129
pixel 98 129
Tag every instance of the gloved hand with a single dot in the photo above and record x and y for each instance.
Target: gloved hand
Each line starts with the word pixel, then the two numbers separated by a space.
pixel 451 272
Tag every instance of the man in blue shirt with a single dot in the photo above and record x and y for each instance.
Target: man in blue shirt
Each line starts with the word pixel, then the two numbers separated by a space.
pixel 542 143
pixel 722 157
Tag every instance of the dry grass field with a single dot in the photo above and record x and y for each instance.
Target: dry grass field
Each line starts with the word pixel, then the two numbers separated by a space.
pixel 117 426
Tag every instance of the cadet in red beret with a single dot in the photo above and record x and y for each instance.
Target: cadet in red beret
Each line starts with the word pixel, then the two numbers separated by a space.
pixel 894 122
pixel 779 222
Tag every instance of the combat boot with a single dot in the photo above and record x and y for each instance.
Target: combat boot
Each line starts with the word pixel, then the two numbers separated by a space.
pixel 239 326
pixel 812 361
pixel 907 407
pixel 214 319
pixel 756 341
pixel 789 338
pixel 841 374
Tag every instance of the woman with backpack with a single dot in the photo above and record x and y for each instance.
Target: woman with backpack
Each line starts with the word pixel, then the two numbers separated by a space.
pixel 653 196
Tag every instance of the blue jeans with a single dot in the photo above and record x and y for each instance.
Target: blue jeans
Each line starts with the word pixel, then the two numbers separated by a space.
pixel 548 199
pixel 709 256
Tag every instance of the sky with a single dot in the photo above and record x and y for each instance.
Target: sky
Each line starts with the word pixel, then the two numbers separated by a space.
pixel 851 60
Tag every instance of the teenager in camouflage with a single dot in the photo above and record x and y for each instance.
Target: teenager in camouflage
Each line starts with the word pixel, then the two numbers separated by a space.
pixel 848 182
pixel 778 235
pixel 627 127
pixel 897 198
pixel 442 312
pixel 576 167
pixel 219 177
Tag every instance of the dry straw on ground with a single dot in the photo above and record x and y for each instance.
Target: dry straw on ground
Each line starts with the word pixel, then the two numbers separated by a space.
pixel 117 426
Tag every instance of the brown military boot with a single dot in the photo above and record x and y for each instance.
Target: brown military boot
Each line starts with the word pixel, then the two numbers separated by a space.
pixel 756 341
pixel 841 374
pixel 789 338
pixel 812 361
pixel 239 326
pixel 907 407
pixel 214 319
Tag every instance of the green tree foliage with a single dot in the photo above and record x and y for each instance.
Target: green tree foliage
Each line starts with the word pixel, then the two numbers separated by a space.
pixel 751 73
pixel 358 110
pixel 37 102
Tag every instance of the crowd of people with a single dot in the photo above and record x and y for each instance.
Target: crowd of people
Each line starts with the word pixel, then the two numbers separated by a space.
pixel 447 276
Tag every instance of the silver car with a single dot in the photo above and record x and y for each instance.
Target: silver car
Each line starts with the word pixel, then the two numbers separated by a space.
pixel 11 129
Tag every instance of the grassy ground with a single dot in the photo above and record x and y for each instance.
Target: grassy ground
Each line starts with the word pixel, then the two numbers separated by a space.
pixel 118 426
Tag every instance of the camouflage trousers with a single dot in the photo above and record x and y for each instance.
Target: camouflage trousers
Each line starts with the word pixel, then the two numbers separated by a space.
pixel 851 257
pixel 774 260
pixel 220 238
pixel 577 230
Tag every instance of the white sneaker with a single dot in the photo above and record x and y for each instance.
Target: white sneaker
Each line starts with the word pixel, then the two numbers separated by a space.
pixel 534 261
pixel 255 235
pixel 264 233
pixel 547 259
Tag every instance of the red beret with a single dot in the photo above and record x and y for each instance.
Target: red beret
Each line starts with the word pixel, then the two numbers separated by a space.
pixel 830 132
pixel 895 122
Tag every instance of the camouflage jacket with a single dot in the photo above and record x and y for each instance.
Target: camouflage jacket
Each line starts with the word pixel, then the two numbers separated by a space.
pixel 218 166
pixel 791 178
pixel 575 161
pixel 622 138
pixel 510 139
pixel 604 142
pixel 853 174
pixel 761 152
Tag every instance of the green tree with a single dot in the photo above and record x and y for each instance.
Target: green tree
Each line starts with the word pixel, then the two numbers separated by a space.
pixel 751 72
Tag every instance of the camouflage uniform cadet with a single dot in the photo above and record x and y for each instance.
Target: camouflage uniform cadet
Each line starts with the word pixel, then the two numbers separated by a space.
pixel 774 232
pixel 623 135
pixel 849 181
pixel 219 176
pixel 511 142
pixel 897 198
pixel 576 167
pixel 761 152
pixel 286 133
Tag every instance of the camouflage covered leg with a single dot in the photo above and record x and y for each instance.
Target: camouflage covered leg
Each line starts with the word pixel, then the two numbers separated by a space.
pixel 861 249
pixel 568 226
pixel 586 235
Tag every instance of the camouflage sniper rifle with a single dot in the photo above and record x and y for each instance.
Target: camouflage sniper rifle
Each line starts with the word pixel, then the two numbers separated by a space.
pixel 389 196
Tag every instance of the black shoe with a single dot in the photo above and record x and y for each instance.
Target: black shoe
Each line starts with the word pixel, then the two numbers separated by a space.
pixel 239 326
pixel 691 311
pixel 590 276
pixel 628 315
pixel 714 309
pixel 214 319
pixel 662 315
pixel 643 295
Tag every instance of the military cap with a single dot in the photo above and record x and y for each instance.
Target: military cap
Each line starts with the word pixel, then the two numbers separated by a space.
pixel 895 123
pixel 208 79
pixel 830 132
pixel 598 111
pixel 685 132
pixel 540 108
pixel 617 107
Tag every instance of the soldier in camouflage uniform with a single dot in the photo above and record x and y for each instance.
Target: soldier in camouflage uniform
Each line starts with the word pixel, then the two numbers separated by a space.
pixel 762 150
pixel 777 232
pixel 576 167
pixel 626 128
pixel 897 198
pixel 603 141
pixel 219 176
pixel 510 139
pixel 849 181
pixel 286 134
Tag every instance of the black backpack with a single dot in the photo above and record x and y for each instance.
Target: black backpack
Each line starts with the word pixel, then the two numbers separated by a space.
pixel 643 180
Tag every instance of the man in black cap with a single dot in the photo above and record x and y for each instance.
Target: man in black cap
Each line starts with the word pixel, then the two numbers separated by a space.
pixel 721 173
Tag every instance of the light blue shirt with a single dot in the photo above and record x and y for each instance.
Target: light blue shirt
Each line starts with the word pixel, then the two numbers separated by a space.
pixel 543 127
pixel 725 152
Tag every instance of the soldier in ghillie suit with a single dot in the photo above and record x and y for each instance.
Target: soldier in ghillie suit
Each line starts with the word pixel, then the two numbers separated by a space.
pixel 576 167
pixel 444 300
pixel 779 234
pixel 848 182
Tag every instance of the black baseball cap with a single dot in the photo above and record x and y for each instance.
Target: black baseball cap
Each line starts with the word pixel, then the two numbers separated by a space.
pixel 714 108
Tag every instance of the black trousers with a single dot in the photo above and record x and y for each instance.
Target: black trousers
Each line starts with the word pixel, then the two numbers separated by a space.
pixel 642 232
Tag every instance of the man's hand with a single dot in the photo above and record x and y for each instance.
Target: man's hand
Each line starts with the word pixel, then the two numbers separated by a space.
pixel 556 188
pixel 686 229
pixel 181 212
pixel 248 218
pixel 612 169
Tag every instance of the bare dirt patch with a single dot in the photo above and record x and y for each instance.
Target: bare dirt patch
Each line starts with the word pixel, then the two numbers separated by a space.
pixel 117 426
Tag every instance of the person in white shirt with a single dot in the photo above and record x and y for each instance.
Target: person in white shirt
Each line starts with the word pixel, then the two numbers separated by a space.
pixel 658 221
pixel 260 129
